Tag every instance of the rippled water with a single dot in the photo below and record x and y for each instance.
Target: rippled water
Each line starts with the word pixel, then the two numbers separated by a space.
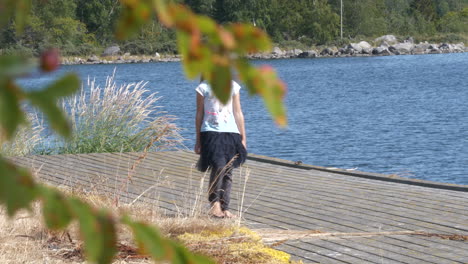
pixel 400 114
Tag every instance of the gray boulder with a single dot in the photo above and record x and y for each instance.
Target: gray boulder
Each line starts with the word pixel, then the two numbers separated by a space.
pixel 366 51
pixel 350 51
pixel 119 60
pixel 384 44
pixel 393 50
pixel 308 54
pixel 423 45
pixel 111 51
pixel 288 54
pixel 403 48
pixel 296 52
pixel 382 51
pixel 409 40
pixel 386 52
pixel 93 59
pixel 261 56
pixel 460 47
pixel 365 45
pixel 326 52
pixel 355 47
pixel 418 51
pixel 446 48
pixel 277 51
pixel 421 48
pixel 389 39
pixel 77 60
pixel 434 50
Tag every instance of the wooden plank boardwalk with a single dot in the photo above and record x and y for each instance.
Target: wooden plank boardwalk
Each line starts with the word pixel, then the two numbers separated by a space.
pixel 362 217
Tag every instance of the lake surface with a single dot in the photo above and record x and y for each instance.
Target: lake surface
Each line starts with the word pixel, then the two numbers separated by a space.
pixel 405 115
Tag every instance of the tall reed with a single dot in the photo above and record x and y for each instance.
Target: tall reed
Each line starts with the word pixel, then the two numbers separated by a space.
pixel 117 118
pixel 114 118
pixel 27 138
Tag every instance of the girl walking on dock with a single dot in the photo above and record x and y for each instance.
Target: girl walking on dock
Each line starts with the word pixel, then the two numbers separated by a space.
pixel 221 142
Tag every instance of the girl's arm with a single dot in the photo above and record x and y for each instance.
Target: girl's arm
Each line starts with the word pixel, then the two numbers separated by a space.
pixel 198 121
pixel 239 117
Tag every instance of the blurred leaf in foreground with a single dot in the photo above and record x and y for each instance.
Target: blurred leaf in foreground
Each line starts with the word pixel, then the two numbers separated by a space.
pixel 57 214
pixel 11 114
pixel 19 8
pixel 17 187
pixel 15 66
pixel 97 229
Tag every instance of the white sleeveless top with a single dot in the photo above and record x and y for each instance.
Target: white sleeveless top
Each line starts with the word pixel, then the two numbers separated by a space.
pixel 218 117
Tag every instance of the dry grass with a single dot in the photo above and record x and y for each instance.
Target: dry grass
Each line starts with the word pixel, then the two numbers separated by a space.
pixel 24 238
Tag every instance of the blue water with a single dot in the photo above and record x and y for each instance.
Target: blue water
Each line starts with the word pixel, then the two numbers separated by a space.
pixel 405 115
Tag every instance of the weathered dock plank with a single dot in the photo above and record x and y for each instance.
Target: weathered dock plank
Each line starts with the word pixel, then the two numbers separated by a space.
pixel 283 196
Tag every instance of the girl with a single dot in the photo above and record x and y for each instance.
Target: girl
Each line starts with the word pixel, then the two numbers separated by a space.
pixel 221 143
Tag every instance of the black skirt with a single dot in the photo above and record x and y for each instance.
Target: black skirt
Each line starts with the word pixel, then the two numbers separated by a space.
pixel 219 148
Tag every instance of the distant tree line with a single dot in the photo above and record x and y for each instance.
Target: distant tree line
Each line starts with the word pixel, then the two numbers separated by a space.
pixel 82 27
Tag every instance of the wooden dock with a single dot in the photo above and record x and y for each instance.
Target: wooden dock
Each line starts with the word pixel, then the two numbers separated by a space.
pixel 318 215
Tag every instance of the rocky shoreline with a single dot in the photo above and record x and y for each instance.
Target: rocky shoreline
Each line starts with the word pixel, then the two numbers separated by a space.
pixel 387 45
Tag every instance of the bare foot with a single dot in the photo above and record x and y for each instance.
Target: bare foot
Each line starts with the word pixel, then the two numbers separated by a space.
pixel 216 210
pixel 228 214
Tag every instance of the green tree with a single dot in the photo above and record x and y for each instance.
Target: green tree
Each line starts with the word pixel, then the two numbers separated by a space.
pixel 271 19
pixel 319 22
pixel 256 12
pixel 442 7
pixel 424 8
pixel 397 16
pixel 456 5
pixel 49 10
pixel 65 30
pixel 100 17
pixel 287 16
pixel 454 22
pixel 54 23
pixel 225 11
pixel 151 38
pixel 204 7
pixel 364 17
pixel 424 16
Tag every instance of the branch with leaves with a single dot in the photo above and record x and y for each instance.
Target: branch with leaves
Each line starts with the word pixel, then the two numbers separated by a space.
pixel 208 49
